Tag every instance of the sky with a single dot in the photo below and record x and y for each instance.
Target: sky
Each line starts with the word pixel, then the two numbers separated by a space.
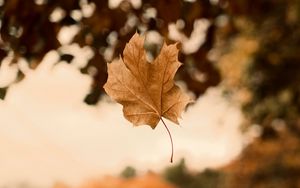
pixel 48 134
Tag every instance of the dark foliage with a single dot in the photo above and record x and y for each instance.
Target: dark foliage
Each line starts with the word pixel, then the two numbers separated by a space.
pixel 28 31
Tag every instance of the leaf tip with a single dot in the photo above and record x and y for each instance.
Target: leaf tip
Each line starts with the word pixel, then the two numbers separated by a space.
pixel 178 45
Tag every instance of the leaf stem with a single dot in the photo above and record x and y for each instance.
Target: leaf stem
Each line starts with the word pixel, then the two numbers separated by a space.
pixel 171 160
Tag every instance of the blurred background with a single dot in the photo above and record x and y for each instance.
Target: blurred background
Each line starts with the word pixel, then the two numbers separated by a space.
pixel 241 65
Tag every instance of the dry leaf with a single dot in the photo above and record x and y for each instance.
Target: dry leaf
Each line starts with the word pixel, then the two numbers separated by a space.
pixel 146 90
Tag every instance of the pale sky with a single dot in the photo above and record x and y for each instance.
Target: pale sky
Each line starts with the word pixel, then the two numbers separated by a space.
pixel 47 132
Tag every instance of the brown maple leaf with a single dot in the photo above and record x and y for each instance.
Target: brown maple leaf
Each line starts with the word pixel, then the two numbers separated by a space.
pixel 146 89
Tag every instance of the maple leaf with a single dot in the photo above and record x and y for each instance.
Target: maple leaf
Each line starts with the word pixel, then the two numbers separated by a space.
pixel 146 89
